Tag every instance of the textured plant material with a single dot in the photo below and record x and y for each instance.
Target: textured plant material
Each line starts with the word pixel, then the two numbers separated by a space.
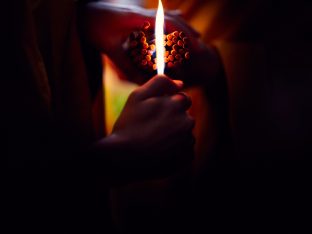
pixel 142 50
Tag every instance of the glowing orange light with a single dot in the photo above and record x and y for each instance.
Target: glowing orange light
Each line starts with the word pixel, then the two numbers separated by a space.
pixel 159 31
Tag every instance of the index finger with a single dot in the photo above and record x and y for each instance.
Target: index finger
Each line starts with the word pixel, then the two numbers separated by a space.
pixel 159 86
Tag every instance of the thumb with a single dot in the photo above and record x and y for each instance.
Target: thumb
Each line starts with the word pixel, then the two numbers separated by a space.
pixel 159 86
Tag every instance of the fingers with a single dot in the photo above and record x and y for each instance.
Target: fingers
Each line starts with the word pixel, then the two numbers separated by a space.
pixel 179 83
pixel 159 92
pixel 184 124
pixel 181 101
pixel 189 123
pixel 159 86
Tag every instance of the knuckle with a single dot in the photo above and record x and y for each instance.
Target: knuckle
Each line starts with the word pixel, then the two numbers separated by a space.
pixel 172 107
pixel 155 103
pixel 164 81
pixel 180 102
pixel 186 100
pixel 188 97
pixel 134 95
pixel 187 124
pixel 169 103
pixel 190 122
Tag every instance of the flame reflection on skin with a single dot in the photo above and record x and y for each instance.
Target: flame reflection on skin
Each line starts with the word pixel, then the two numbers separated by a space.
pixel 159 31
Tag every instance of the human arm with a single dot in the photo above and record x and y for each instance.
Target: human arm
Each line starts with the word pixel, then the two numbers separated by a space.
pixel 150 134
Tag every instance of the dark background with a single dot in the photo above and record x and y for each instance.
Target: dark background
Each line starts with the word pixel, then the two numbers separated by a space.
pixel 255 179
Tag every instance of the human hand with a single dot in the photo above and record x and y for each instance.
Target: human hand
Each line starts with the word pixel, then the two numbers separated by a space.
pixel 153 128
pixel 158 110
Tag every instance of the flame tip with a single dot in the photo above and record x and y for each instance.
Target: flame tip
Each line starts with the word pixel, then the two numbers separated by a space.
pixel 159 32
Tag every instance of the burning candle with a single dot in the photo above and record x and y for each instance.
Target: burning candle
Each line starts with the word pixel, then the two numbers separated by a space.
pixel 159 32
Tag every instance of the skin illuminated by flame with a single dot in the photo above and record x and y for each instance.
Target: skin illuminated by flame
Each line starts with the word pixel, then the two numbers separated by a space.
pixel 159 31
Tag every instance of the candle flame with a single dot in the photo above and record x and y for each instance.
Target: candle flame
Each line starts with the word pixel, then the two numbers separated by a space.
pixel 159 31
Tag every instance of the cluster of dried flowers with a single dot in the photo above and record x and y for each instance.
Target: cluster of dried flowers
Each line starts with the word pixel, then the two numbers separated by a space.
pixel 141 48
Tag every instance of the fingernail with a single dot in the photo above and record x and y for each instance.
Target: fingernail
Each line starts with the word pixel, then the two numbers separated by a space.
pixel 179 83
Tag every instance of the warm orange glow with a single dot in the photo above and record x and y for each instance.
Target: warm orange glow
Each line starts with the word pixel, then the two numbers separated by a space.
pixel 159 31
pixel 116 92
